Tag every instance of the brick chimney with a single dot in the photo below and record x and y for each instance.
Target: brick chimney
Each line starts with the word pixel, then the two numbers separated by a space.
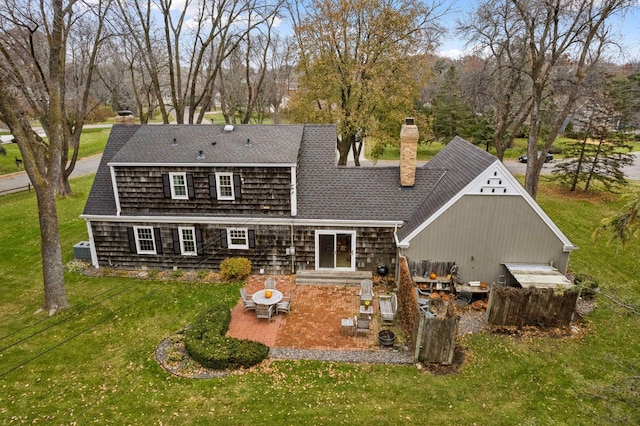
pixel 125 117
pixel 408 152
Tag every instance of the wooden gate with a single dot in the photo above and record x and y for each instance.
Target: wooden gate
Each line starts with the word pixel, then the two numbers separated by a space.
pixel 436 339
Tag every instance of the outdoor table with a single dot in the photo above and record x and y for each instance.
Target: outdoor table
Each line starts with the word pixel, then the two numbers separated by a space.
pixel 347 326
pixel 471 289
pixel 259 298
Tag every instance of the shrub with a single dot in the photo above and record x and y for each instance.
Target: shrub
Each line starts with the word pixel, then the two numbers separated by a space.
pixel 587 284
pixel 206 343
pixel 235 268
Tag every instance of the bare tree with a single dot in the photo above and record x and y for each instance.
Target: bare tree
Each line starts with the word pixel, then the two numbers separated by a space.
pixel 35 82
pixel 183 53
pixel 532 39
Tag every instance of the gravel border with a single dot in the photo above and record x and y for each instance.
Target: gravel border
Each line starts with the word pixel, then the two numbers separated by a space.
pixel 382 356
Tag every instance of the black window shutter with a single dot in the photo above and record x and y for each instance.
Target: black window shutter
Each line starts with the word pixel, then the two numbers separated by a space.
pixel 237 189
pixel 176 241
pixel 199 245
pixel 190 188
pixel 156 236
pixel 132 240
pixel 252 238
pixel 212 187
pixel 223 238
pixel 166 186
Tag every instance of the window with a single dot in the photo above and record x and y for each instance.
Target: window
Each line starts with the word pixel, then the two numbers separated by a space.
pixel 145 243
pixel 224 184
pixel 178 186
pixel 237 238
pixel 187 241
pixel 178 182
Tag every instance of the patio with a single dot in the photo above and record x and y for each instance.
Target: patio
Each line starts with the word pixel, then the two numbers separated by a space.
pixel 314 321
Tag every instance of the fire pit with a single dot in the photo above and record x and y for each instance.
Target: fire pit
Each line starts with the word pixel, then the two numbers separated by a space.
pixel 386 337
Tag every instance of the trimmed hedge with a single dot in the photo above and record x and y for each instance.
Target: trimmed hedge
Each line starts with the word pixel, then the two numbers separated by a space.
pixel 206 343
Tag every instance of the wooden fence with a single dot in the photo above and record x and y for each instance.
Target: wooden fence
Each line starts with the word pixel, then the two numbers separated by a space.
pixel 421 267
pixel 432 339
pixel 531 306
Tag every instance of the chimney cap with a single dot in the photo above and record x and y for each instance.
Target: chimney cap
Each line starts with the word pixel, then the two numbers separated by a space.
pixel 409 121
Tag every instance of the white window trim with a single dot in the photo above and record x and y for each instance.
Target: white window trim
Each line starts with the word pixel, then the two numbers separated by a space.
pixel 153 239
pixel 195 242
pixel 173 188
pixel 232 246
pixel 218 187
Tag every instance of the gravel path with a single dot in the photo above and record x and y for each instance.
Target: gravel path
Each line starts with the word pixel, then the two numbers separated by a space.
pixel 390 356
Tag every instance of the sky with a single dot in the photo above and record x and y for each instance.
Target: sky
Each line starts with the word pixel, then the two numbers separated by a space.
pixel 627 28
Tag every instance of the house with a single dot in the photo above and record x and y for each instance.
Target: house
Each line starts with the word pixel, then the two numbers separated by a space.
pixel 189 196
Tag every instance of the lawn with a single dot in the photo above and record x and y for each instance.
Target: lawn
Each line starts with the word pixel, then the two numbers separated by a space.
pixel 92 142
pixel 95 361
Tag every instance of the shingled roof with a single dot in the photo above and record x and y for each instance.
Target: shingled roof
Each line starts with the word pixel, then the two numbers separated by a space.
pixel 182 143
pixel 459 162
pixel 101 199
pixel 326 192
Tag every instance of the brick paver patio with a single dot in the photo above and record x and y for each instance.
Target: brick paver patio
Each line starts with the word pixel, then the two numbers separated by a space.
pixel 314 321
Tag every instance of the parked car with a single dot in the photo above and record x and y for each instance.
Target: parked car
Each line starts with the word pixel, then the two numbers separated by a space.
pixel 523 158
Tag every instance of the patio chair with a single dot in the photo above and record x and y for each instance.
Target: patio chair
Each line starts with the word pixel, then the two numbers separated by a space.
pixel 421 300
pixel 246 299
pixel 388 308
pixel 366 290
pixel 285 304
pixel 270 283
pixel 264 311
pixel 362 325
pixel 502 281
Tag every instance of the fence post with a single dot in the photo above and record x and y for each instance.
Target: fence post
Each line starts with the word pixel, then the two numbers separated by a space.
pixel 418 344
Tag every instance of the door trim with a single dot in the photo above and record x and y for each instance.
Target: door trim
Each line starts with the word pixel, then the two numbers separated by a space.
pixel 335 233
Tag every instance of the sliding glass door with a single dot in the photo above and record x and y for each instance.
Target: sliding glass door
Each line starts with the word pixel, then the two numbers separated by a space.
pixel 335 250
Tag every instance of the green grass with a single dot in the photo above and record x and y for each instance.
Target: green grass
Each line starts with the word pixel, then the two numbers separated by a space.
pixel 95 361
pixel 92 142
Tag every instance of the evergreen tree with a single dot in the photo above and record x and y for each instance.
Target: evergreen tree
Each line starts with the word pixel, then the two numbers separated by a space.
pixel 451 116
pixel 600 155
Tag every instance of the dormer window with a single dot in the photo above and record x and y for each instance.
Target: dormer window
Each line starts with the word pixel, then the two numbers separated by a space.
pixel 178 182
pixel 178 186
pixel 224 185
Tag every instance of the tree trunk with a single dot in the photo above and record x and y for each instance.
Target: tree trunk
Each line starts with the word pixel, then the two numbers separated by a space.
pixel 55 296
pixel 344 146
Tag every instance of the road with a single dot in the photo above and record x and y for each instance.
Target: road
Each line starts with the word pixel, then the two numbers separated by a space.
pixel 20 181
